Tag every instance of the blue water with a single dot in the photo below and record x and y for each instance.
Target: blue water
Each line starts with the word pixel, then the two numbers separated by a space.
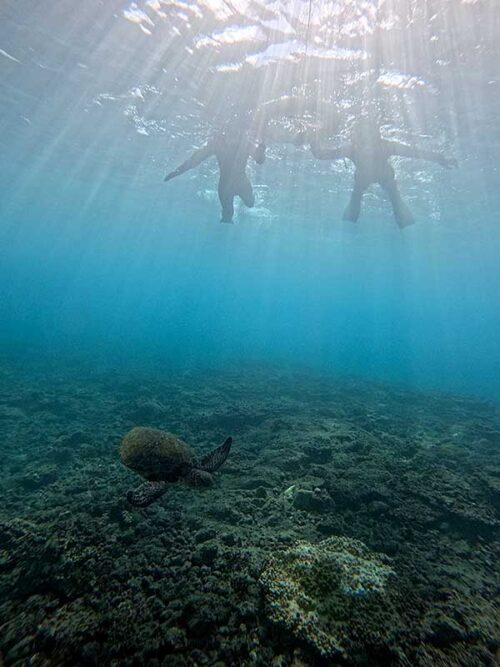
pixel 99 257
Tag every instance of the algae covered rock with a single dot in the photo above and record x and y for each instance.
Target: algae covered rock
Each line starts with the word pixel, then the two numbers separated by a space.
pixel 333 595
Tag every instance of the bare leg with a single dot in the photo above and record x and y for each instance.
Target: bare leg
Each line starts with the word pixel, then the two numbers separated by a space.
pixel 245 191
pixel 353 209
pixel 226 198
pixel 402 213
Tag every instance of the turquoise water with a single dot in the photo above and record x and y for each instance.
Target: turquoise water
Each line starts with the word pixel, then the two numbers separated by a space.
pixel 99 255
pixel 354 367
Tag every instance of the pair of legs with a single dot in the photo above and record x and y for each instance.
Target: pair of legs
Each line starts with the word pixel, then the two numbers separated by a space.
pixel 402 213
pixel 228 191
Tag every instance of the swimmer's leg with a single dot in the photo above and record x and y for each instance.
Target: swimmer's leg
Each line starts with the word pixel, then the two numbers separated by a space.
pixel 245 191
pixel 353 209
pixel 402 213
pixel 226 198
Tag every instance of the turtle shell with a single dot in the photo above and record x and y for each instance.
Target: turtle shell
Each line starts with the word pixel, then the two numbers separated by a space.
pixel 156 455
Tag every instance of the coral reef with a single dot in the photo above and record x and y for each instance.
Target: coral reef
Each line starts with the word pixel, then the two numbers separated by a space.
pixel 323 592
pixel 87 580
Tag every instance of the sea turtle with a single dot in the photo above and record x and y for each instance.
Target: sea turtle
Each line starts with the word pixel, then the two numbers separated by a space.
pixel 161 458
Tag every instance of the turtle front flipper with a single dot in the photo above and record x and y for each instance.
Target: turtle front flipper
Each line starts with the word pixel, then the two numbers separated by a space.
pixel 146 493
pixel 199 477
pixel 213 461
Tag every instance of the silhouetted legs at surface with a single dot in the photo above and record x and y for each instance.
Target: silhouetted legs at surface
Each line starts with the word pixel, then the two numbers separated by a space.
pixel 243 189
pixel 402 213
pixel 353 209
pixel 227 202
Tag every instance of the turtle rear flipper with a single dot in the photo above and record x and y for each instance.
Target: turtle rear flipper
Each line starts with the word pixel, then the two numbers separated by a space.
pixel 146 493
pixel 213 461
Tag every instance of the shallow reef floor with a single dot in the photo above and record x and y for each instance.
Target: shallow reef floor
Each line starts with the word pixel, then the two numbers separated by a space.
pixel 85 579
